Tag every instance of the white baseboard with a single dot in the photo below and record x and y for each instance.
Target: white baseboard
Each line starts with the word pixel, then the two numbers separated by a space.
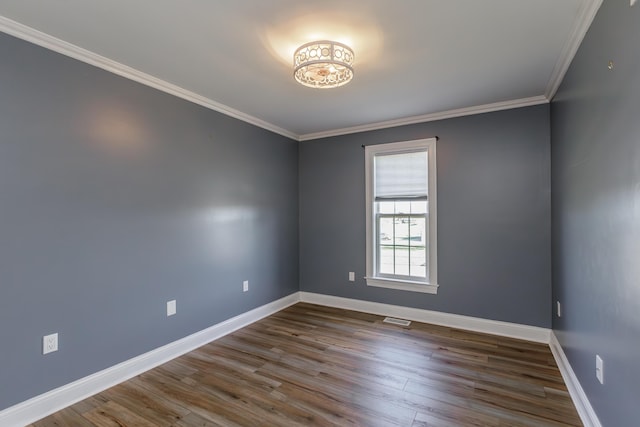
pixel 45 404
pixel 579 397
pixel 495 327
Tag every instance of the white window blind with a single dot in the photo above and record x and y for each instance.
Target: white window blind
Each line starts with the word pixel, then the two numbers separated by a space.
pixel 399 176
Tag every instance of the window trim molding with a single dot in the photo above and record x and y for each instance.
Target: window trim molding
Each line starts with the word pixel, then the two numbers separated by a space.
pixel 431 286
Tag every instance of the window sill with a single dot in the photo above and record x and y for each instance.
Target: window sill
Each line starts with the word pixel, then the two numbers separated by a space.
pixel 402 285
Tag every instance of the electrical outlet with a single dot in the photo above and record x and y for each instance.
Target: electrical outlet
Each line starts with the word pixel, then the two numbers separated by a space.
pixel 245 286
pixel 632 2
pixel 599 369
pixel 352 276
pixel 171 308
pixel 49 343
pixel 558 309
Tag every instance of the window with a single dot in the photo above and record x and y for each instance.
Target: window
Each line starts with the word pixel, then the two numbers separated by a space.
pixel 401 215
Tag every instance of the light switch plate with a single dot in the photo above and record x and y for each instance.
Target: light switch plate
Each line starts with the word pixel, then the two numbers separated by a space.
pixel 352 276
pixel 599 369
pixel 171 308
pixel 245 286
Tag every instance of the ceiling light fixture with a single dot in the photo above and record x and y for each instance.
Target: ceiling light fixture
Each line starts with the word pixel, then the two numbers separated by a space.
pixel 323 64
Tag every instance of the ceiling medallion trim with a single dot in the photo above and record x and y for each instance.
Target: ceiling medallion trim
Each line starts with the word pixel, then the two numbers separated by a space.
pixel 323 64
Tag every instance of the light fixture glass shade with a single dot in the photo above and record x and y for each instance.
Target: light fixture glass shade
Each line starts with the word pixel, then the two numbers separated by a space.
pixel 323 64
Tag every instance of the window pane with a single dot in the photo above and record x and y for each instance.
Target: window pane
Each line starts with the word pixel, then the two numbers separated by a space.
pixel 418 262
pixel 385 263
pixel 403 207
pixel 417 231
pixel 418 253
pixel 387 207
pixel 402 241
pixel 419 206
pixel 402 260
pixel 401 230
pixel 385 231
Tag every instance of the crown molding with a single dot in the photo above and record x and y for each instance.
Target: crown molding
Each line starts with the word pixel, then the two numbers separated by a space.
pixel 586 14
pixel 468 111
pixel 47 41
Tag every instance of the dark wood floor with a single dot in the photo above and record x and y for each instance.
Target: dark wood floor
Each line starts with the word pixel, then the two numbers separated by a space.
pixel 313 365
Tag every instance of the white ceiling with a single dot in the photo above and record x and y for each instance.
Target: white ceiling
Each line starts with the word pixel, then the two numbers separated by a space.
pixel 416 60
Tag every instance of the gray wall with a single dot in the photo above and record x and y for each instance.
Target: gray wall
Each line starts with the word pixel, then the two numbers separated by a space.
pixel 115 198
pixel 596 212
pixel 493 216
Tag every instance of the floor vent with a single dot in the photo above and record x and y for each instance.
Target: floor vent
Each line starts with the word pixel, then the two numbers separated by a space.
pixel 394 321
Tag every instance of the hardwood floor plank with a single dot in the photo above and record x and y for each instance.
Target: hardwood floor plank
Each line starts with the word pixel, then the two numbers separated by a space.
pixel 314 365
pixel 152 407
pixel 429 419
pixel 67 417
pixel 194 399
pixel 194 420
pixel 113 415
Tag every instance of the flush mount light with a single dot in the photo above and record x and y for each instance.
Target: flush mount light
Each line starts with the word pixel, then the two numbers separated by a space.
pixel 323 64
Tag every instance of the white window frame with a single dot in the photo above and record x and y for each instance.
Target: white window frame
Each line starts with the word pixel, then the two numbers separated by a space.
pixel 431 284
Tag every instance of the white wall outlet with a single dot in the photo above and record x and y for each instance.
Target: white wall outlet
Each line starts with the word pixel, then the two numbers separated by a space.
pixel 558 309
pixel 599 369
pixel 49 343
pixel 632 2
pixel 245 286
pixel 171 308
pixel 352 276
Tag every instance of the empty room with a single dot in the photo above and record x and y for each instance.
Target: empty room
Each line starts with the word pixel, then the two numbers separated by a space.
pixel 337 213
